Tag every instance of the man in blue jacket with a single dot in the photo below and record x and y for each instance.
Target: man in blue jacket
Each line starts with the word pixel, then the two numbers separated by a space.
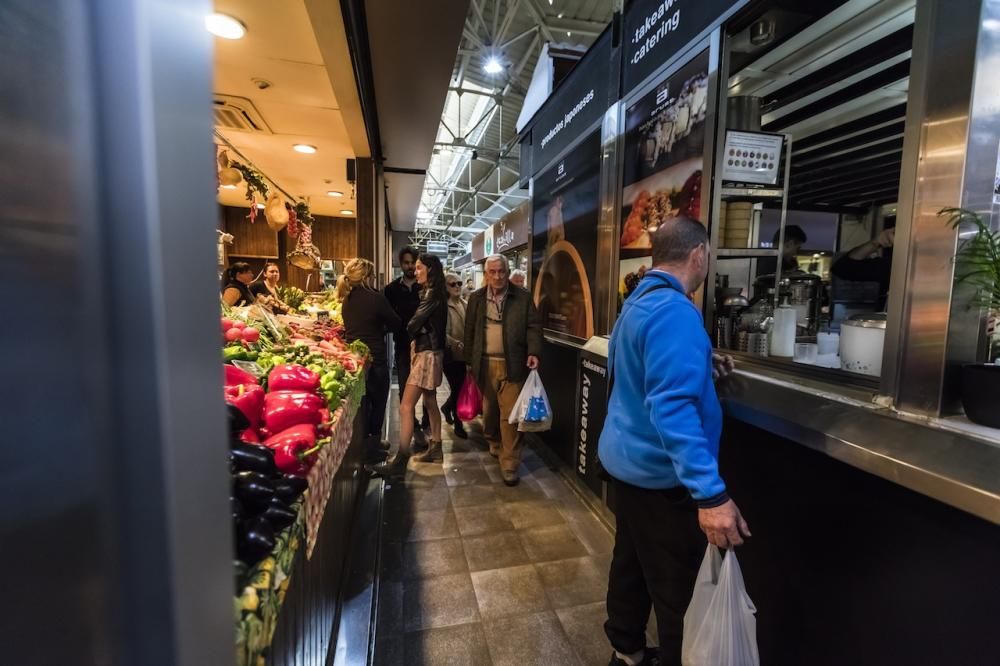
pixel 660 445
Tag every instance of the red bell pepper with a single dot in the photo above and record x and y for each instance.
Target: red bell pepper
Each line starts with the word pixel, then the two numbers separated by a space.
pixel 284 409
pixel 295 449
pixel 249 399
pixel 326 421
pixel 236 376
pixel 292 377
pixel 250 436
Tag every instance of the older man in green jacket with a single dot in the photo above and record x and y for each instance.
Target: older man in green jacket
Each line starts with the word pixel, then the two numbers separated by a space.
pixel 503 341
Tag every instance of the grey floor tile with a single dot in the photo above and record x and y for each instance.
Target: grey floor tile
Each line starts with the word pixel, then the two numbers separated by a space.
pixel 584 627
pixel 462 496
pixel 439 602
pixel 425 476
pixel 428 559
pixel 429 499
pixel 557 542
pixel 484 519
pixel 528 640
pixel 493 471
pixel 510 591
pixel 426 525
pixel 586 526
pixel 495 551
pixel 554 487
pixel 466 475
pixel 525 515
pixel 527 490
pixel 462 645
pixel 574 582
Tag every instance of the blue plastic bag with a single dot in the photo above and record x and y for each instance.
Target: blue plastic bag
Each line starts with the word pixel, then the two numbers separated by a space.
pixel 532 411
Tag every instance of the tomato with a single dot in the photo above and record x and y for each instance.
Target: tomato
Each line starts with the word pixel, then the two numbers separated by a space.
pixel 233 334
pixel 251 334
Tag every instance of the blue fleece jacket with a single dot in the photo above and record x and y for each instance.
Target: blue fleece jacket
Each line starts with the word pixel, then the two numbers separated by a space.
pixel 664 418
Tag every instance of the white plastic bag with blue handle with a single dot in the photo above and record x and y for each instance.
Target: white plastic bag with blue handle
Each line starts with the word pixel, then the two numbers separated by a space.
pixel 532 411
pixel 719 627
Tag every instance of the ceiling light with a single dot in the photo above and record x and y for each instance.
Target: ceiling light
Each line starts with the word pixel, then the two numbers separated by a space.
pixel 347 212
pixel 225 26
pixel 561 14
pixel 304 148
pixel 334 193
pixel 493 66
pixel 228 187
pixel 260 206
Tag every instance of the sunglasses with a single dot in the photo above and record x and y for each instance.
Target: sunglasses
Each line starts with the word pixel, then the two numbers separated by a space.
pixel 454 284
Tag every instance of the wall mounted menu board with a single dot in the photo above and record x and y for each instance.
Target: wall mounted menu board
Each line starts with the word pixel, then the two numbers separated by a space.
pixel 664 146
pixel 657 29
pixel 579 102
pixel 752 157
pixel 564 252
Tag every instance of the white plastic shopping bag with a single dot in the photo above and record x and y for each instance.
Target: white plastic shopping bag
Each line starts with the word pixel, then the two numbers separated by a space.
pixel 719 627
pixel 532 411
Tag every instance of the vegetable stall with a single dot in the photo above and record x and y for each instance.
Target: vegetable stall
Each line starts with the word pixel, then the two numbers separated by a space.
pixel 293 389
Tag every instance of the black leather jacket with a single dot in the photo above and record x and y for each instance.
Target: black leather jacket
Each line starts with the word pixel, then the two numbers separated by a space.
pixel 429 324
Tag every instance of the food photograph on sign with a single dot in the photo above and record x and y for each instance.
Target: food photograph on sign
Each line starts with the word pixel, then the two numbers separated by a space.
pixel 564 250
pixel 664 146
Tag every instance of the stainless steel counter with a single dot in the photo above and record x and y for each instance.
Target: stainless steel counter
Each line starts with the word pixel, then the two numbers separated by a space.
pixel 948 460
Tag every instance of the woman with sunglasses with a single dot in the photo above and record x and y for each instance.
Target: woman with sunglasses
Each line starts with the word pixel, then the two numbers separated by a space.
pixel 454 353
pixel 428 331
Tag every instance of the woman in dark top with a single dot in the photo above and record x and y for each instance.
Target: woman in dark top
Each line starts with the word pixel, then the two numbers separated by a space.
pixel 236 290
pixel 266 289
pixel 367 317
pixel 427 330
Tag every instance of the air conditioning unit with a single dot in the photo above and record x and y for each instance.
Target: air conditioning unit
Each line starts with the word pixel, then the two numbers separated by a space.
pixel 239 114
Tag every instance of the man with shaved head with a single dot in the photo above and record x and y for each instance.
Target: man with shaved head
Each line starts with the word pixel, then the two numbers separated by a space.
pixel 660 446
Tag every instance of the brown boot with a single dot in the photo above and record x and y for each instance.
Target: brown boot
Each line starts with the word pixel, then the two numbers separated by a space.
pixel 432 454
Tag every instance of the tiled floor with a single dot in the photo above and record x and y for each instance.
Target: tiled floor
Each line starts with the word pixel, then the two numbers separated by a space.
pixel 474 572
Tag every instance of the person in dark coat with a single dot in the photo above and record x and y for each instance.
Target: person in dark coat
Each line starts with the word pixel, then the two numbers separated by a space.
pixel 368 317
pixel 503 342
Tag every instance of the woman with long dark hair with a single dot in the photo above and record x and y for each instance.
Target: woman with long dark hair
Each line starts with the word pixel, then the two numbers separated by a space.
pixel 427 330
pixel 266 288
pixel 367 317
pixel 236 288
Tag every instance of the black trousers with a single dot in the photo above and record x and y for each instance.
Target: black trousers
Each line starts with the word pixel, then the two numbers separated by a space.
pixel 402 374
pixel 454 372
pixel 658 551
pixel 376 397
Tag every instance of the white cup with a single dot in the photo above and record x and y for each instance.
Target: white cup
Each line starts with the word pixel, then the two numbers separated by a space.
pixel 805 352
pixel 829 343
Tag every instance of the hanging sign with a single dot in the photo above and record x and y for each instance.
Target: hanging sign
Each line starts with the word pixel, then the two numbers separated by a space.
pixel 656 30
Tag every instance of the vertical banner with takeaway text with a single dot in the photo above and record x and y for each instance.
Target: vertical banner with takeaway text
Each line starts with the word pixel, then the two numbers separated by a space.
pixel 564 252
pixel 664 147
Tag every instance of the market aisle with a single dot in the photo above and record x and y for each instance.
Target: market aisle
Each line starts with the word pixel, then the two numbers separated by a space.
pixel 474 572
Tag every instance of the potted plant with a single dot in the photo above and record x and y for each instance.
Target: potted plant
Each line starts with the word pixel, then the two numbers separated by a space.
pixel 977 265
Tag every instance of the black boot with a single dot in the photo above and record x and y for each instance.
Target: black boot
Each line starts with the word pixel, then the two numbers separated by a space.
pixel 460 430
pixel 394 468
pixel 448 413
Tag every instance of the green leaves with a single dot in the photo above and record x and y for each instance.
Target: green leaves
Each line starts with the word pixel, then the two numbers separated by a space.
pixel 978 257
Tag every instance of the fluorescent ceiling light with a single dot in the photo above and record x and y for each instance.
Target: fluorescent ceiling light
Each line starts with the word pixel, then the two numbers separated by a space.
pixel 260 206
pixel 304 148
pixel 493 66
pixel 334 193
pixel 228 187
pixel 347 212
pixel 225 26
pixel 561 14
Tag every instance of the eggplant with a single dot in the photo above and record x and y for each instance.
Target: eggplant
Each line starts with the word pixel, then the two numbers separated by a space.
pixel 255 540
pixel 290 488
pixel 252 458
pixel 279 514
pixel 253 490
pixel 238 421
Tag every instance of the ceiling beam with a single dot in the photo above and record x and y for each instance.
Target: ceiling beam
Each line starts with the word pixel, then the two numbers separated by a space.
pixel 540 19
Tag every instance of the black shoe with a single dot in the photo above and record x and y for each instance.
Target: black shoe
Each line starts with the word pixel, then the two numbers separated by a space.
pixel 394 468
pixel 449 415
pixel 460 430
pixel 651 658
pixel 376 457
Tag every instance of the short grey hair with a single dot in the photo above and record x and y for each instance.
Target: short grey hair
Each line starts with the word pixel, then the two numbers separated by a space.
pixel 519 273
pixel 497 257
